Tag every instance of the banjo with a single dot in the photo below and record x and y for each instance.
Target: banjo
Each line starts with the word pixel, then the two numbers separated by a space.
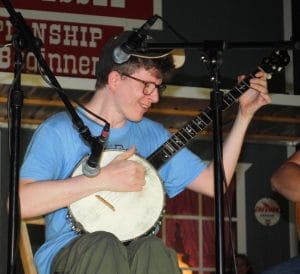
pixel 129 215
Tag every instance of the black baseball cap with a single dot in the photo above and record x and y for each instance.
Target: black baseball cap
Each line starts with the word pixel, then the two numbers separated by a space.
pixel 111 53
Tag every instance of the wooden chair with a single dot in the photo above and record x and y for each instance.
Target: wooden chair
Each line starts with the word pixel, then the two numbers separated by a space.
pixel 297 206
pixel 25 247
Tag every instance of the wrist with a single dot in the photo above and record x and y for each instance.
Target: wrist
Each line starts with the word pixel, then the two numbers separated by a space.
pixel 244 116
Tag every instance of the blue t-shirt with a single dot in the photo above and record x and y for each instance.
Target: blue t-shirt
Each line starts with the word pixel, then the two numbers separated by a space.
pixel 56 148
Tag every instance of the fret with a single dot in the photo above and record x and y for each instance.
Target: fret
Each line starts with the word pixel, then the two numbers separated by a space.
pixel 239 89
pixel 170 149
pixel 242 87
pixel 208 111
pixel 188 129
pixel 208 116
pixel 174 144
pixel 166 154
pixel 236 93
pixel 231 96
pixel 227 100
pixel 194 125
pixel 185 134
pixel 179 139
pixel 201 124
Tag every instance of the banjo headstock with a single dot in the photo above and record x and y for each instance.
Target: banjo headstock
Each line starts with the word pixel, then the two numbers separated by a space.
pixel 277 60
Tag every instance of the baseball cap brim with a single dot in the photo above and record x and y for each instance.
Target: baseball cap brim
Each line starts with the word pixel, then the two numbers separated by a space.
pixel 178 55
pixel 116 41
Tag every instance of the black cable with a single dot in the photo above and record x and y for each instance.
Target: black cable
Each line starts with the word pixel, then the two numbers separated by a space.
pixel 173 29
pixel 74 100
pixel 229 213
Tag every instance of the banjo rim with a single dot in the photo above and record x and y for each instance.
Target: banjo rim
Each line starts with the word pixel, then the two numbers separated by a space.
pixel 152 228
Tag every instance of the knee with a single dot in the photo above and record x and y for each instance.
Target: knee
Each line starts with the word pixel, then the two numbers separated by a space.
pixel 104 237
pixel 104 241
pixel 152 243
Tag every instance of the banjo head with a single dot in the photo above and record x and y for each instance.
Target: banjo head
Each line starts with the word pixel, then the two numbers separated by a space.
pixel 127 215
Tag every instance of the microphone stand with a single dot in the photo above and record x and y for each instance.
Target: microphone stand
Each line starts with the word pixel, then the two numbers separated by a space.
pixel 16 102
pixel 25 39
pixel 214 50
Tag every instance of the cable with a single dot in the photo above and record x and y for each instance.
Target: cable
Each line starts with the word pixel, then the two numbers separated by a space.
pixel 173 29
pixel 229 213
pixel 8 104
pixel 74 100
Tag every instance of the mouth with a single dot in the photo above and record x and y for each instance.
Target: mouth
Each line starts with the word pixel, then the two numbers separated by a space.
pixel 146 106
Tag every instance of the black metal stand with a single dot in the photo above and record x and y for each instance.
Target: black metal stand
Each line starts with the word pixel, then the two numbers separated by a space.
pixel 16 103
pixel 26 40
pixel 214 51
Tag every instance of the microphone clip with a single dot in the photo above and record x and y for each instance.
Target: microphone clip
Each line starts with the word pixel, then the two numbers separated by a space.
pixel 91 167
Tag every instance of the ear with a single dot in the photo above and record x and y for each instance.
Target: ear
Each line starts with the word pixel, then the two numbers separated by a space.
pixel 113 80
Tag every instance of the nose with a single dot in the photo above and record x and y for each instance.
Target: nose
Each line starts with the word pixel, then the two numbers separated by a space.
pixel 154 96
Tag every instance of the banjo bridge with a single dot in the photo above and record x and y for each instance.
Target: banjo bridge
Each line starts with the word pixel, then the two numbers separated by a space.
pixel 109 205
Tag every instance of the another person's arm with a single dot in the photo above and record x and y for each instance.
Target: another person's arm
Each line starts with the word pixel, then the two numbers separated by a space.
pixel 286 179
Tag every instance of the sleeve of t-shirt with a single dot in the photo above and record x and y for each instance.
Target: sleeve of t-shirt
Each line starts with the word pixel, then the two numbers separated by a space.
pixel 43 156
pixel 180 171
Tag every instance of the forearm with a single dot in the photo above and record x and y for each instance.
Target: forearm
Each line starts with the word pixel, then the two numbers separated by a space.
pixel 120 175
pixel 204 183
pixel 233 144
pixel 39 198
pixel 286 181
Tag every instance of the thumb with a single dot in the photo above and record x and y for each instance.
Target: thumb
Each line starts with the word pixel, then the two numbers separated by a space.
pixel 126 154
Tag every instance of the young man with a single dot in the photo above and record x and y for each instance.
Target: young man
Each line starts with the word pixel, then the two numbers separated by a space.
pixel 124 93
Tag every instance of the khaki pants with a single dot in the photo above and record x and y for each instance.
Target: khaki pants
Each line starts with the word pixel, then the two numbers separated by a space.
pixel 101 252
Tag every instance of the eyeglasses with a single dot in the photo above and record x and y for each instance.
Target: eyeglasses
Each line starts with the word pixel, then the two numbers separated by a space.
pixel 149 87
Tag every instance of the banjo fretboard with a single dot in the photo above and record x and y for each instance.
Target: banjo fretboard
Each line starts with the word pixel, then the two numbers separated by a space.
pixel 182 137
pixel 274 63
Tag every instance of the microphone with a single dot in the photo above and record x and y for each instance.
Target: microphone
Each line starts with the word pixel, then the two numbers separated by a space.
pixel 91 167
pixel 122 53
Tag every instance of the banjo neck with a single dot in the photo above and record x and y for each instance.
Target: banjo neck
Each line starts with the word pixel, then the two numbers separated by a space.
pixel 277 60
pixel 190 130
